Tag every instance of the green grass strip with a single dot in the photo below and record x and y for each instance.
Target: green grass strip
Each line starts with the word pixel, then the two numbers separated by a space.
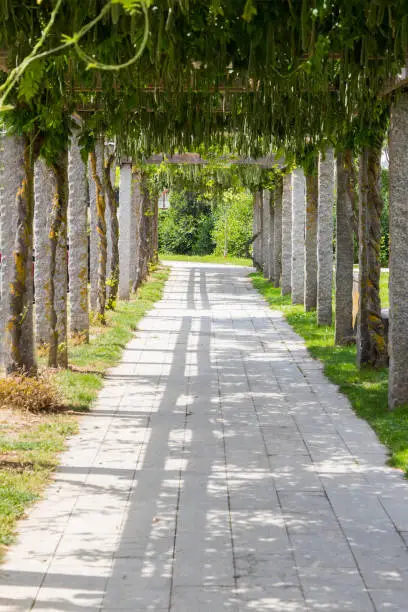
pixel 215 259
pixel 367 389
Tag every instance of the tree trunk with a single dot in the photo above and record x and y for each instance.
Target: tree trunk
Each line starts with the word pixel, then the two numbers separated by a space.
pixel 312 194
pixel 398 331
pixel 277 239
pixel 125 195
pixel 78 241
pixel 371 345
pixel 97 175
pixel 298 236
pixel 17 264
pixel 266 226
pixel 287 235
pixel 112 206
pixel 44 191
pixel 325 239
pixel 346 197
pixel 58 353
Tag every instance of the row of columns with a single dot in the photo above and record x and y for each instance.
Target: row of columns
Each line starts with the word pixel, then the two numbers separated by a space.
pixel 294 227
pixel 78 256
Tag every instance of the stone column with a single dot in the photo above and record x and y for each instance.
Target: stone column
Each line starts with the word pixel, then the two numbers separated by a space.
pixel 266 227
pixel 298 236
pixel 108 222
pixel 271 261
pixel 78 241
pixel 258 242
pixel 16 240
pixel 254 230
pixel 344 247
pixel 398 332
pixel 325 239
pixel 135 224
pixel 287 235
pixel 93 219
pixel 44 193
pixel 125 195
pixel 10 152
pixel 312 194
pixel 277 239
pixel 156 230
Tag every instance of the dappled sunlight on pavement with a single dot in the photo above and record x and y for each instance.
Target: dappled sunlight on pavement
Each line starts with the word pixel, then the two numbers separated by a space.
pixel 219 470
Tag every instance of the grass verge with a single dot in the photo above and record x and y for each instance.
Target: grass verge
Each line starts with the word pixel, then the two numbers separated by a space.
pixel 30 443
pixel 367 389
pixel 215 259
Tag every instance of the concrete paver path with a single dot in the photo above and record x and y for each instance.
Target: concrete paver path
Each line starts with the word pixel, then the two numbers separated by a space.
pixel 219 470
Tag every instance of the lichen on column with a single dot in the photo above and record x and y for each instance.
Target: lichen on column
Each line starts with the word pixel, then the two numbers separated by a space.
pixel 78 241
pixel 43 189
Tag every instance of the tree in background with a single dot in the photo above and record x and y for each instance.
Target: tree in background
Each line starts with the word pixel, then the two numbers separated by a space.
pixel 232 231
pixel 185 228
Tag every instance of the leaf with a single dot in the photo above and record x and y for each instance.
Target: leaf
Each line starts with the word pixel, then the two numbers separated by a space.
pixel 249 10
pixel 30 81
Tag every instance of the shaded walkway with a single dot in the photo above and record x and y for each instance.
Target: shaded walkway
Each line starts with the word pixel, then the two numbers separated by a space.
pixel 219 471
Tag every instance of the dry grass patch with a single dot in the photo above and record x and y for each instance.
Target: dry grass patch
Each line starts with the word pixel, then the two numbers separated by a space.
pixel 29 394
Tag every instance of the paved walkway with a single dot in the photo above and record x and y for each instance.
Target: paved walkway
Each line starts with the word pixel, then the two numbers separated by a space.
pixel 219 471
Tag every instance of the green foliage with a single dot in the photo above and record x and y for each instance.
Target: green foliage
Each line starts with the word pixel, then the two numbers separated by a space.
pixel 233 223
pixel 30 82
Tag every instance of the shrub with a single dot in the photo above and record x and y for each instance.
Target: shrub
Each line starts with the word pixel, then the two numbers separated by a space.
pixel 28 393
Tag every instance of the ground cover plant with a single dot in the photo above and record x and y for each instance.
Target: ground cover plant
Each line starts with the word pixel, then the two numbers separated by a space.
pixel 37 415
pixel 366 388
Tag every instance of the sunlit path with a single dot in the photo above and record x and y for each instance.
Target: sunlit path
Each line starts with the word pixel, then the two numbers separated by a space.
pixel 218 471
